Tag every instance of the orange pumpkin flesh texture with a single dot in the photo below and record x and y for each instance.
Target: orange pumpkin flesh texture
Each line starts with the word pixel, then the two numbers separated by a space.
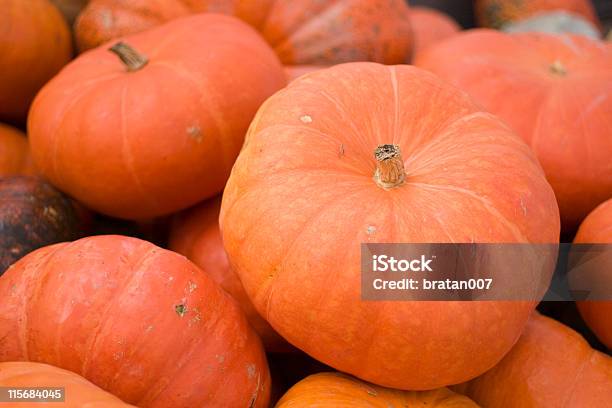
pixel 144 143
pixel 550 366
pixel 597 229
pixel 301 198
pixel 34 45
pixel 554 91
pixel 497 13
pixel 138 321
pixel 430 26
pixel 331 390
pixel 301 32
pixel 15 157
pixel 78 391
pixel 195 234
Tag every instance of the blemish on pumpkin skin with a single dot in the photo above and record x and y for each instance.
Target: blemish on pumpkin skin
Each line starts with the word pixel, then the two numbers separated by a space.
pixel 180 309
pixel 251 370
pixel 370 229
pixel 306 119
pixel 341 153
pixel 195 133
pixel 191 286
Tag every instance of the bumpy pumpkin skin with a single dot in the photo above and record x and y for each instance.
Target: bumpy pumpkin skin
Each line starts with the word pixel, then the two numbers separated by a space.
pixel 156 140
pixel 15 157
pixel 35 44
pixel 563 86
pixel 195 234
pixel 301 32
pixel 550 366
pixel 34 214
pixel 497 13
pixel 78 391
pixel 331 390
pixel 597 229
pixel 113 307
pixel 431 26
pixel 301 198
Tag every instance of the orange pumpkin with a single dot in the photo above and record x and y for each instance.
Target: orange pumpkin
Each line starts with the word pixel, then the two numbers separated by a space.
pixel 195 234
pixel 36 43
pixel 497 13
pixel 431 26
pixel 550 366
pixel 563 85
pixel 301 32
pixel 305 191
pixel 139 321
pixel 597 229
pixel 330 390
pixel 156 128
pixel 78 392
pixel 15 157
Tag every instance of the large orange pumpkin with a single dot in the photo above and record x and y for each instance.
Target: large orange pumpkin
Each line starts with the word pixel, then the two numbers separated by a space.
pixel 157 128
pixel 331 390
pixel 431 26
pixel 15 157
pixel 34 45
pixel 555 91
pixel 301 32
pixel 78 392
pixel 550 366
pixel 597 229
pixel 305 192
pixel 139 321
pixel 497 13
pixel 195 234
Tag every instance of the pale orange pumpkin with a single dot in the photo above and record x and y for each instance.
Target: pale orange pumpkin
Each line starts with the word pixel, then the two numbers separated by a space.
pixel 307 189
pixel 431 26
pixel 555 91
pixel 78 392
pixel 550 366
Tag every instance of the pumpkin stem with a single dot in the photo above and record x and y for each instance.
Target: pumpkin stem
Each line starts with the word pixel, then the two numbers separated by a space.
pixel 129 56
pixel 390 171
pixel 558 68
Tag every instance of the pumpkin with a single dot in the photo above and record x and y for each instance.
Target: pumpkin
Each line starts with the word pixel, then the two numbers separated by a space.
pixel 550 366
pixel 70 8
pixel 153 124
pixel 295 71
pixel 329 390
pixel 564 86
pixel 301 32
pixel 597 229
pixel 554 22
pixel 307 189
pixel 78 392
pixel 195 234
pixel 497 13
pixel 36 44
pixel 33 214
pixel 15 157
pixel 431 26
pixel 113 307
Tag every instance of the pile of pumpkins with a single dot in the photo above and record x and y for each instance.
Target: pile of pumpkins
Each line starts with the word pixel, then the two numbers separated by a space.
pixel 198 176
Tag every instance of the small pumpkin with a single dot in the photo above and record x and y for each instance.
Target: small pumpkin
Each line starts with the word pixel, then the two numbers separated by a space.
pixel 33 214
pixel 113 307
pixel 550 366
pixel 305 191
pixel 153 124
pixel 311 32
pixel 498 13
pixel 431 26
pixel 555 22
pixel 564 86
pixel 36 44
pixel 15 157
pixel 195 234
pixel 597 229
pixel 330 390
pixel 70 8
pixel 78 392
